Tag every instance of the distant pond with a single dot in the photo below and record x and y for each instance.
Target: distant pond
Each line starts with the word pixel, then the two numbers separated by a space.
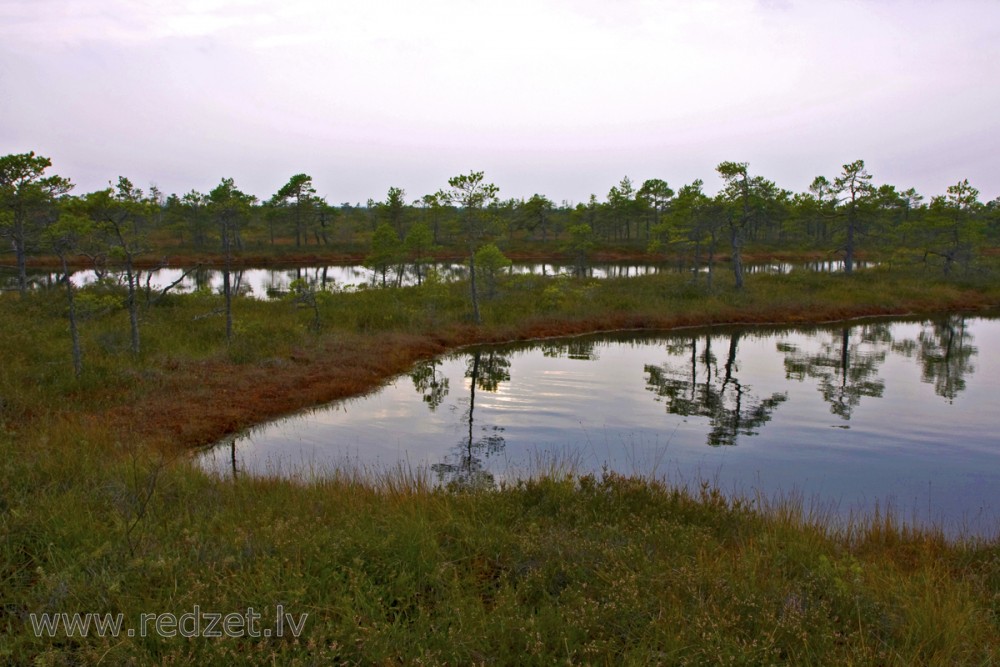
pixel 266 283
pixel 851 417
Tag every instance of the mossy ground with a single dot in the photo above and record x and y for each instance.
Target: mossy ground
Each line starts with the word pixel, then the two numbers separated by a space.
pixel 101 511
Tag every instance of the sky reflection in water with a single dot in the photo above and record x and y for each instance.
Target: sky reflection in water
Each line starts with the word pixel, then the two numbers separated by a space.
pixel 267 283
pixel 894 413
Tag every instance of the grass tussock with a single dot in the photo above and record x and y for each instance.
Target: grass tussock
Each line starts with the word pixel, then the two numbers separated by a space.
pixel 100 510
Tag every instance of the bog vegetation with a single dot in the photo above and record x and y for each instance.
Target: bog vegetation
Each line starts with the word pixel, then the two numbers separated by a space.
pixel 105 389
pixel 843 216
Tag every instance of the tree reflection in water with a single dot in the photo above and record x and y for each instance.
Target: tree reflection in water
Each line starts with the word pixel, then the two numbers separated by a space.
pixel 945 351
pixel 846 365
pixel 575 348
pixel 465 466
pixel 430 383
pixel 730 406
pixel 848 362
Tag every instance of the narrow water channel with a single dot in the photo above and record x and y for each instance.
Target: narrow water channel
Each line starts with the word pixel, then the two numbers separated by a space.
pixel 267 283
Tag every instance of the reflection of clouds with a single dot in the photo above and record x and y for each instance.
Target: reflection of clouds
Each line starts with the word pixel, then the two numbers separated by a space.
pixel 504 400
pixel 600 412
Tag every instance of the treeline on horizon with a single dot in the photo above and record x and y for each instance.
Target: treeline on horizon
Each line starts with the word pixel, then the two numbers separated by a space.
pixel 39 215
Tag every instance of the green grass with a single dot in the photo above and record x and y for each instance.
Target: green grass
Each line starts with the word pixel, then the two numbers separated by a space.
pixel 390 570
pixel 97 516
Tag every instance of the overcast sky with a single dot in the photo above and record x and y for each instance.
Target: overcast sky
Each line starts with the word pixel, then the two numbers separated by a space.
pixel 560 97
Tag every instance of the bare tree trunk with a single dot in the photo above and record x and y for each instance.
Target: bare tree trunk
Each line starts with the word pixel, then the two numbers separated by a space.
pixel 228 293
pixel 697 261
pixel 133 305
pixel 472 282
pixel 737 243
pixel 227 290
pixel 73 332
pixel 849 250
pixel 22 270
pixel 150 300
pixel 711 264
pixel 21 251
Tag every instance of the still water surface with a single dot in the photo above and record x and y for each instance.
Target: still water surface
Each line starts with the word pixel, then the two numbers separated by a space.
pixel 266 283
pixel 853 417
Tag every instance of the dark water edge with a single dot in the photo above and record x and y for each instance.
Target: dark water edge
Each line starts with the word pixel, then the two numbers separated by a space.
pixel 851 418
